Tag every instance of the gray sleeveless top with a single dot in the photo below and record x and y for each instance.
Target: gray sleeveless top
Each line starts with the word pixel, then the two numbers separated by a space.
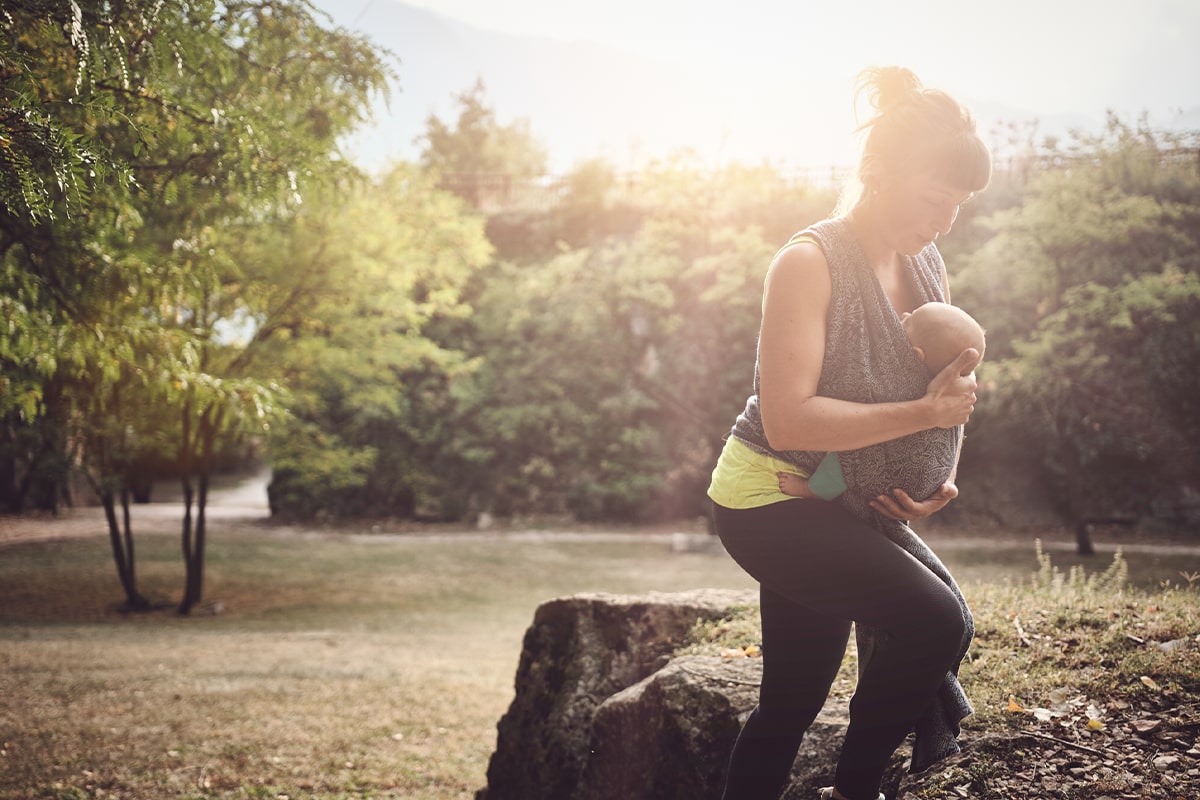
pixel 868 359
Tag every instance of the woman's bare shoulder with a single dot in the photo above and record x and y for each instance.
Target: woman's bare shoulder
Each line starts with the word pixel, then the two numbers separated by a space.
pixel 800 262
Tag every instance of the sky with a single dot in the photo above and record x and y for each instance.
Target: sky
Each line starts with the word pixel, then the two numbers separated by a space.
pixel 1067 54
pixel 1070 59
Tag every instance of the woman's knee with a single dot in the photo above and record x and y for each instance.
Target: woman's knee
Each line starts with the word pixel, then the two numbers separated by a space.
pixel 948 627
pixel 939 621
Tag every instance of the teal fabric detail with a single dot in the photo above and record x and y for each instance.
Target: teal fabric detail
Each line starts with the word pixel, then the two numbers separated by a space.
pixel 827 481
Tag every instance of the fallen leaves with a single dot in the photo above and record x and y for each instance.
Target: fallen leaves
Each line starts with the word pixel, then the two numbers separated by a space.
pixel 1142 746
pixel 1133 757
pixel 749 651
pixel 1068 708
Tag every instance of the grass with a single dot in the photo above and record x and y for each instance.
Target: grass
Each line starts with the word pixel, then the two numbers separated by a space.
pixel 337 668
pixel 1065 665
pixel 1090 635
pixel 346 666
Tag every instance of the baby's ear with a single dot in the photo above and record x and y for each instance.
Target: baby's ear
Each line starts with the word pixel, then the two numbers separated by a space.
pixel 905 316
pixel 920 351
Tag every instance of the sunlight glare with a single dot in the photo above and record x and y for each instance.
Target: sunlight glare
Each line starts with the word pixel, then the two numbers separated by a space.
pixel 761 79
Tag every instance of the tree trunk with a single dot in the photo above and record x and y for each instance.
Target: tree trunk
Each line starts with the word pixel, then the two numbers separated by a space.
pixel 8 468
pixel 196 568
pixel 1077 504
pixel 187 544
pixel 123 554
pixel 199 460
pixel 1083 538
pixel 44 484
pixel 194 541
pixel 195 536
pixel 39 488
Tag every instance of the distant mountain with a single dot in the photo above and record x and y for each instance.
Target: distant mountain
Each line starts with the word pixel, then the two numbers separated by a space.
pixel 584 99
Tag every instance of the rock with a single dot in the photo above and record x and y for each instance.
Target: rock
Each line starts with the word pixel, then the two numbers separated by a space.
pixel 1171 646
pixel 1165 762
pixel 670 734
pixel 579 652
pixel 1145 726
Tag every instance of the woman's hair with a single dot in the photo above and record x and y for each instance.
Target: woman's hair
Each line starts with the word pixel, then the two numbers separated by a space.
pixel 915 129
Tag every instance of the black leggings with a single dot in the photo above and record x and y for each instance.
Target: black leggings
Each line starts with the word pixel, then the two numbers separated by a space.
pixel 819 568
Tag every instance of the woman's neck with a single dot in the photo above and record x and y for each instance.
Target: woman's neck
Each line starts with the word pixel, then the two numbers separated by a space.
pixel 888 264
pixel 868 229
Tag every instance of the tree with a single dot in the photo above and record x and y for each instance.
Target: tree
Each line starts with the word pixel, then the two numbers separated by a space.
pixel 1107 387
pixel 222 114
pixel 369 424
pixel 48 166
pixel 620 365
pixel 1079 287
pixel 479 153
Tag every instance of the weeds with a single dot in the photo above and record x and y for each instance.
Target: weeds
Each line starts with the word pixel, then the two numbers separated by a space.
pixel 1076 586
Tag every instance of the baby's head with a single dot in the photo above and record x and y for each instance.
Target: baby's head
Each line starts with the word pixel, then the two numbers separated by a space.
pixel 939 332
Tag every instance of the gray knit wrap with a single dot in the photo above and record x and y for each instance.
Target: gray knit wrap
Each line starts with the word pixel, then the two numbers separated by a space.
pixel 868 359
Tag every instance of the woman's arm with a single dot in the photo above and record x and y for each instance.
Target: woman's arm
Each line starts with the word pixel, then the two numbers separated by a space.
pixel 791 350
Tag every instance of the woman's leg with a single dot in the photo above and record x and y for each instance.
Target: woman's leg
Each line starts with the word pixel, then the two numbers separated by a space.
pixel 822 567
pixel 802 651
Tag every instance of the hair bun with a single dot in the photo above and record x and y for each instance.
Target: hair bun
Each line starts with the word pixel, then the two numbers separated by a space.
pixel 913 129
pixel 887 87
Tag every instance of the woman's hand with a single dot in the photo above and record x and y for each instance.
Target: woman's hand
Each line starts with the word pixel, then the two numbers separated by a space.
pixel 951 393
pixel 899 506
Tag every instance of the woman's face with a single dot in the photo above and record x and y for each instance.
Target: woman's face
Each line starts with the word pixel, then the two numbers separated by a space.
pixel 917 209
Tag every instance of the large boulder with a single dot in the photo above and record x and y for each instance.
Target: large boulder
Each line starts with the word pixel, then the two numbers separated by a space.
pixel 670 734
pixel 604 711
pixel 580 651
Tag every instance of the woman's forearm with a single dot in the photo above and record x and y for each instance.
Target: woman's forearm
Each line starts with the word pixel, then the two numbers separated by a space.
pixel 825 424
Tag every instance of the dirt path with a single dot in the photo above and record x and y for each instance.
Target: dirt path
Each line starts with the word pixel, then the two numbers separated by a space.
pixel 244 501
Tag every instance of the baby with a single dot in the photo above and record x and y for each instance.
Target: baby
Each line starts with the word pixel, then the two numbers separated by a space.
pixel 938 332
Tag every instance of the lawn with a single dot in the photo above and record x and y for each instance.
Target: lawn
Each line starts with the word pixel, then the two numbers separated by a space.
pixel 336 666
pixel 330 665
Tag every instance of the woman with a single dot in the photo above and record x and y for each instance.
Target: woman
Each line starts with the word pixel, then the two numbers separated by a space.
pixel 826 381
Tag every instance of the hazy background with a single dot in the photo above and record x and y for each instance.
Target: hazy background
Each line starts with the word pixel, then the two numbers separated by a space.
pixel 764 80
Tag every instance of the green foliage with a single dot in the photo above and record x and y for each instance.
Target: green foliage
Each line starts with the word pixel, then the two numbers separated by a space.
pixel 132 340
pixel 1087 289
pixel 186 264
pixel 479 146
pixel 223 123
pixel 370 422
pixel 592 378
pixel 620 365
pixel 47 164
pixel 593 206
pixel 1107 386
